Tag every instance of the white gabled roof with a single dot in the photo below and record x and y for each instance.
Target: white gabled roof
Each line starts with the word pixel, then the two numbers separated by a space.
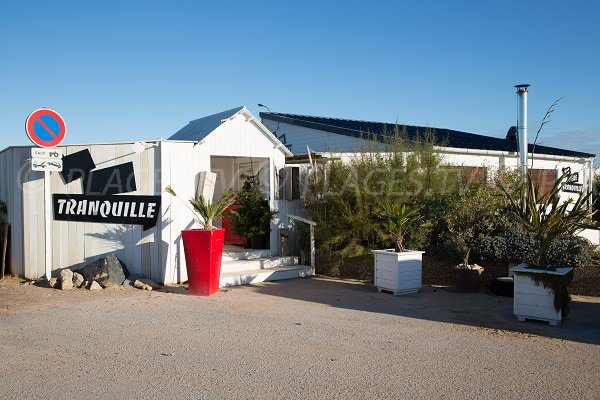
pixel 200 128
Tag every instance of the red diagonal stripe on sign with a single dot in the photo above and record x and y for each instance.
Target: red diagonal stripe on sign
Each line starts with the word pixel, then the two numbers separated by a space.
pixel 38 119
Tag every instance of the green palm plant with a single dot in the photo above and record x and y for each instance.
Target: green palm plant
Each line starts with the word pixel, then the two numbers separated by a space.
pixel 400 218
pixel 548 218
pixel 207 211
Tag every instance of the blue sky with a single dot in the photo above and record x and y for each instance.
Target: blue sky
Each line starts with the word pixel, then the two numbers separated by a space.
pixel 129 70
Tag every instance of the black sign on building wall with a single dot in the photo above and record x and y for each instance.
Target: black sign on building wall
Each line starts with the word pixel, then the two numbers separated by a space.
pixel 103 200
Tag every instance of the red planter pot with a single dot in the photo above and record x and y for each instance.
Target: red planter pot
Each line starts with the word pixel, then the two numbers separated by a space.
pixel 203 253
pixel 231 236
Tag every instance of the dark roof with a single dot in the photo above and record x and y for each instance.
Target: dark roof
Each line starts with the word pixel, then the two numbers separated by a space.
pixel 199 128
pixel 449 137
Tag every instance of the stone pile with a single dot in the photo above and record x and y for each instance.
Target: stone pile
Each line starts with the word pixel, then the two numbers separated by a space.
pixel 105 272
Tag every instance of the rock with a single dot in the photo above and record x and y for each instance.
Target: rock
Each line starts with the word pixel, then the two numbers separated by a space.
pixel 66 274
pixel 107 271
pixel 66 285
pixel 78 279
pixel 52 282
pixel 95 286
pixel 125 270
pixel 145 284
pixel 66 279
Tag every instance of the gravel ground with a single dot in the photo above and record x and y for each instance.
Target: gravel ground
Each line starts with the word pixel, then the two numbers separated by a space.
pixel 306 338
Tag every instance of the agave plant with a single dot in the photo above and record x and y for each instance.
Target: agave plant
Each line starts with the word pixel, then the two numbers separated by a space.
pixel 400 219
pixel 548 218
pixel 207 211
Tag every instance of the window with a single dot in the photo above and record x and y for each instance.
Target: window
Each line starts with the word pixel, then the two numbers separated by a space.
pixel 544 179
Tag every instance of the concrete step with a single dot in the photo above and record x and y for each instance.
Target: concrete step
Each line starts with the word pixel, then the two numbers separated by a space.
pixel 264 275
pixel 245 254
pixel 257 263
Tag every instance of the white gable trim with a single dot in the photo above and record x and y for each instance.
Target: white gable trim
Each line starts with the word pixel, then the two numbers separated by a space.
pixel 277 144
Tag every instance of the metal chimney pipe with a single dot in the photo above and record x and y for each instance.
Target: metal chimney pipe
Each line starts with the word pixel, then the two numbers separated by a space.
pixel 522 127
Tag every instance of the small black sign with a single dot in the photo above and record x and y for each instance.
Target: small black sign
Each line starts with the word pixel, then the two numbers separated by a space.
pixel 77 165
pixel 111 180
pixel 571 177
pixel 572 187
pixel 137 210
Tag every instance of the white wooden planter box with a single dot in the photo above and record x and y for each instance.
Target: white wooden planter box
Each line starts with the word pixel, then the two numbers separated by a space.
pixel 399 273
pixel 533 301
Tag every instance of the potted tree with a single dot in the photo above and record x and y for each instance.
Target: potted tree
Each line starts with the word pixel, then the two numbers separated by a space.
pixel 252 219
pixel 204 247
pixel 541 287
pixel 473 215
pixel 399 270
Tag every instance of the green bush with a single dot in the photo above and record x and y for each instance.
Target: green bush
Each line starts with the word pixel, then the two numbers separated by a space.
pixel 348 202
pixel 475 216
pixel 561 255
pixel 521 245
pixel 490 247
pixel 254 216
pixel 518 245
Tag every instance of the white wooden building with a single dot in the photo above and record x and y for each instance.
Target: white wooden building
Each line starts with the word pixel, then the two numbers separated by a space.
pixel 480 155
pixel 226 143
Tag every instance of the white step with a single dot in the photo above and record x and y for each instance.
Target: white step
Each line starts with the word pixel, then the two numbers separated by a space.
pixel 264 275
pixel 258 263
pixel 245 254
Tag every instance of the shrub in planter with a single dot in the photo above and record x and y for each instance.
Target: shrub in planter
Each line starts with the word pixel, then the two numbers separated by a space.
pixel 548 220
pixel 398 269
pixel 473 216
pixel 252 219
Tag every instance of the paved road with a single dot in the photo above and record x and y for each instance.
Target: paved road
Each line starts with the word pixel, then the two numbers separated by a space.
pixel 302 339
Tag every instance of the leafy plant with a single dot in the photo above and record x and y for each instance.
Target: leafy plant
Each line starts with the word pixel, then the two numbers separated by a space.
pixel 400 218
pixel 346 201
pixel 205 210
pixel 548 218
pixel 475 214
pixel 254 216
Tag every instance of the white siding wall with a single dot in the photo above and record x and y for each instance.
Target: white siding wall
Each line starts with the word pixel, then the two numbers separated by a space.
pixel 180 164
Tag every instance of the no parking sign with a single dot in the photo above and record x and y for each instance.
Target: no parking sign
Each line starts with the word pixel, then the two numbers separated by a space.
pixel 45 128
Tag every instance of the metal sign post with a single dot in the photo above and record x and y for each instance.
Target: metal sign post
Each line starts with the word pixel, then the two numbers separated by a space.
pixel 48 223
pixel 46 129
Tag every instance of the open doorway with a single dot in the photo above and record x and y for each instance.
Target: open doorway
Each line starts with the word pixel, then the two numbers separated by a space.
pixel 232 174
